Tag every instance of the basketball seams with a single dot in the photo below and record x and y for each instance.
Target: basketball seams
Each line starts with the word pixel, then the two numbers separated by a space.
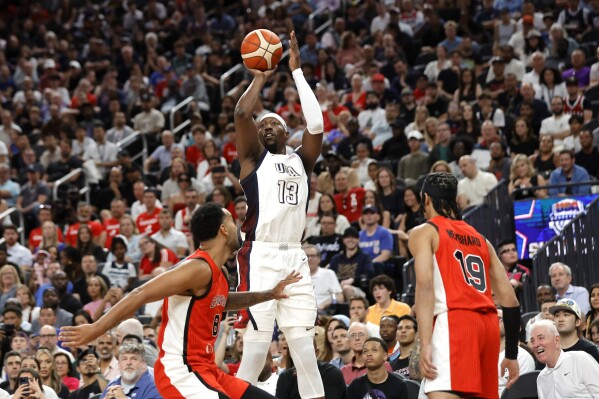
pixel 261 49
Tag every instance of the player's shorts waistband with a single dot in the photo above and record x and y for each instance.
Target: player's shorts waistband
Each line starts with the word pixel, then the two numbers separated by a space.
pixel 281 246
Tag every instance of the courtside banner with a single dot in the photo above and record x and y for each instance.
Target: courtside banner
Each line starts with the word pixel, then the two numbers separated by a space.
pixel 539 220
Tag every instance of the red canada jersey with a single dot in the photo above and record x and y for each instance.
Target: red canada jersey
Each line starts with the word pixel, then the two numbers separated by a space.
pixel 147 223
pixel 461 268
pixel 112 227
pixel 190 324
pixel 71 235
pixel 35 237
pixel 351 204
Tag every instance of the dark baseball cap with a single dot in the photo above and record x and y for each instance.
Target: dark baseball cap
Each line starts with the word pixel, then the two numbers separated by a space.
pixel 351 232
pixel 86 352
pixel 370 209
pixel 572 81
pixel 35 167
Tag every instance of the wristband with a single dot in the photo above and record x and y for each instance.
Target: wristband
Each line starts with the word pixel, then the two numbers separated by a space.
pixel 511 322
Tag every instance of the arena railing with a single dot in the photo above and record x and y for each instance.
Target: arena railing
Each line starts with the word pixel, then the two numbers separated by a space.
pixel 65 179
pixel 173 112
pixel 130 139
pixel 20 226
pixel 576 246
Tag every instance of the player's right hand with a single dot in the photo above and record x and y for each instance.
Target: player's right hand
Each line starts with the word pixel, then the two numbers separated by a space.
pixel 265 74
pixel 428 369
pixel 513 370
pixel 74 336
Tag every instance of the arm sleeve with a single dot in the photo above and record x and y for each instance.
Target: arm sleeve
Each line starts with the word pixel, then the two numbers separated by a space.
pixel 310 106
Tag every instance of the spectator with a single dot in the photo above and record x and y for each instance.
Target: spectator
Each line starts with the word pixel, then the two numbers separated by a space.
pixel 575 102
pixel 49 340
pixel 475 184
pixel 84 217
pixel 168 236
pixel 326 286
pixel 414 164
pixel 582 373
pixel 326 205
pixel 579 68
pixel 108 365
pixel 375 241
pixel 112 225
pixel 149 121
pixel 523 139
pixel 329 243
pixel 500 164
pixel 588 156
pixel 377 376
pixel 135 377
pixel 546 160
pixel 341 347
pixel 522 177
pixel 87 365
pixel 508 255
pixel 358 311
pixel 406 337
pixel 162 154
pixel 558 125
pixel 131 240
pixel 66 371
pixel 12 366
pixel 352 267
pixel 382 288
pixel 561 278
pixel 526 362
pixel 550 86
pixel 48 374
pixel 388 333
pixel 154 255
pixel 568 319
pixel 347 147
pixel 86 245
pixel 17 253
pixel 9 283
pixel 395 147
pixel 568 172
pixel 348 201
pixel 67 302
pixel 33 197
pixel 9 190
pixel 546 304
pixel 147 221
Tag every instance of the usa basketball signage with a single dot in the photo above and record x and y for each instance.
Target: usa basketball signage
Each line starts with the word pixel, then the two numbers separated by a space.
pixel 538 221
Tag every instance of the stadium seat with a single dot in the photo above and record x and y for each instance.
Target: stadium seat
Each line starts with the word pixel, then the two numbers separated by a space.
pixel 524 388
pixel 527 316
pixel 413 389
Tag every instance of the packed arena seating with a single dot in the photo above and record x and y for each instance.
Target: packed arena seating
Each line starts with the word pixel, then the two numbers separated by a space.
pixel 117 123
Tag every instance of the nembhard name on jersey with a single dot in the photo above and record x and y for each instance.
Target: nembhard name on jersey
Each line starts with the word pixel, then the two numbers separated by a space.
pixel 464 239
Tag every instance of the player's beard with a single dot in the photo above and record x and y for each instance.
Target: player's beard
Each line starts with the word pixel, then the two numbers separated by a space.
pixel 235 241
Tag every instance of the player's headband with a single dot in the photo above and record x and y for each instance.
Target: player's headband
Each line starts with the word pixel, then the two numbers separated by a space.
pixel 277 117
pixel 438 192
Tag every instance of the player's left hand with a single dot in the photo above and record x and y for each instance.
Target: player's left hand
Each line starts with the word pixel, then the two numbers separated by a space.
pixel 513 371
pixel 294 52
pixel 277 291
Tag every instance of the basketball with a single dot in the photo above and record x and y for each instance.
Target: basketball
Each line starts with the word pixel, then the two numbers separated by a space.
pixel 261 49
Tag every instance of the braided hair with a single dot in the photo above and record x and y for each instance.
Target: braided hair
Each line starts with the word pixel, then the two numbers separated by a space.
pixel 442 188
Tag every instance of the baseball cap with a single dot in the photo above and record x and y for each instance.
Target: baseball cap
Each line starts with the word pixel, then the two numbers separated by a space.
pixel 86 352
pixel 497 59
pixel 572 81
pixel 533 33
pixel 351 232
pixel 370 209
pixel 407 91
pixel 49 63
pixel 378 77
pixel 415 134
pixel 567 304
pixel 331 154
pixel 75 64
pixel 34 167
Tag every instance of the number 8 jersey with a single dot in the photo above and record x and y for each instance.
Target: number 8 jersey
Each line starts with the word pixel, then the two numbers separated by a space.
pixel 461 268
pixel 277 198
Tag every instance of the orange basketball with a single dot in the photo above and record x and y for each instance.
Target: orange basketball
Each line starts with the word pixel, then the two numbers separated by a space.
pixel 261 49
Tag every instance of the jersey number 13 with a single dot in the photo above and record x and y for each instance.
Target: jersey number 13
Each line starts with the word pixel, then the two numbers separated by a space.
pixel 288 192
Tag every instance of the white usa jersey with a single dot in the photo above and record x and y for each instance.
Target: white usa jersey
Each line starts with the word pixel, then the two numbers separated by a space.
pixel 277 199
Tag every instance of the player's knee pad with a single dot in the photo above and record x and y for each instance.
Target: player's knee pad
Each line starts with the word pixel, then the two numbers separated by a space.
pixel 252 335
pixel 292 333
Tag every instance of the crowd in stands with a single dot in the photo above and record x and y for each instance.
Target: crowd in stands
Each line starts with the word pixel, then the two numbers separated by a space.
pixel 487 90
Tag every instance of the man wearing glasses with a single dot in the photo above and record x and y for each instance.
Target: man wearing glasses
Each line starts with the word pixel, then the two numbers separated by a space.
pixel 358 334
pixel 508 255
pixel 49 339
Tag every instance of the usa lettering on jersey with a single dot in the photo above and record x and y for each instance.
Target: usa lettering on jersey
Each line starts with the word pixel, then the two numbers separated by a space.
pixel 282 168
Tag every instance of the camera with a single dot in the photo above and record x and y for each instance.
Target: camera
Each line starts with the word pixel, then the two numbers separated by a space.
pixel 9 329
pixel 24 381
